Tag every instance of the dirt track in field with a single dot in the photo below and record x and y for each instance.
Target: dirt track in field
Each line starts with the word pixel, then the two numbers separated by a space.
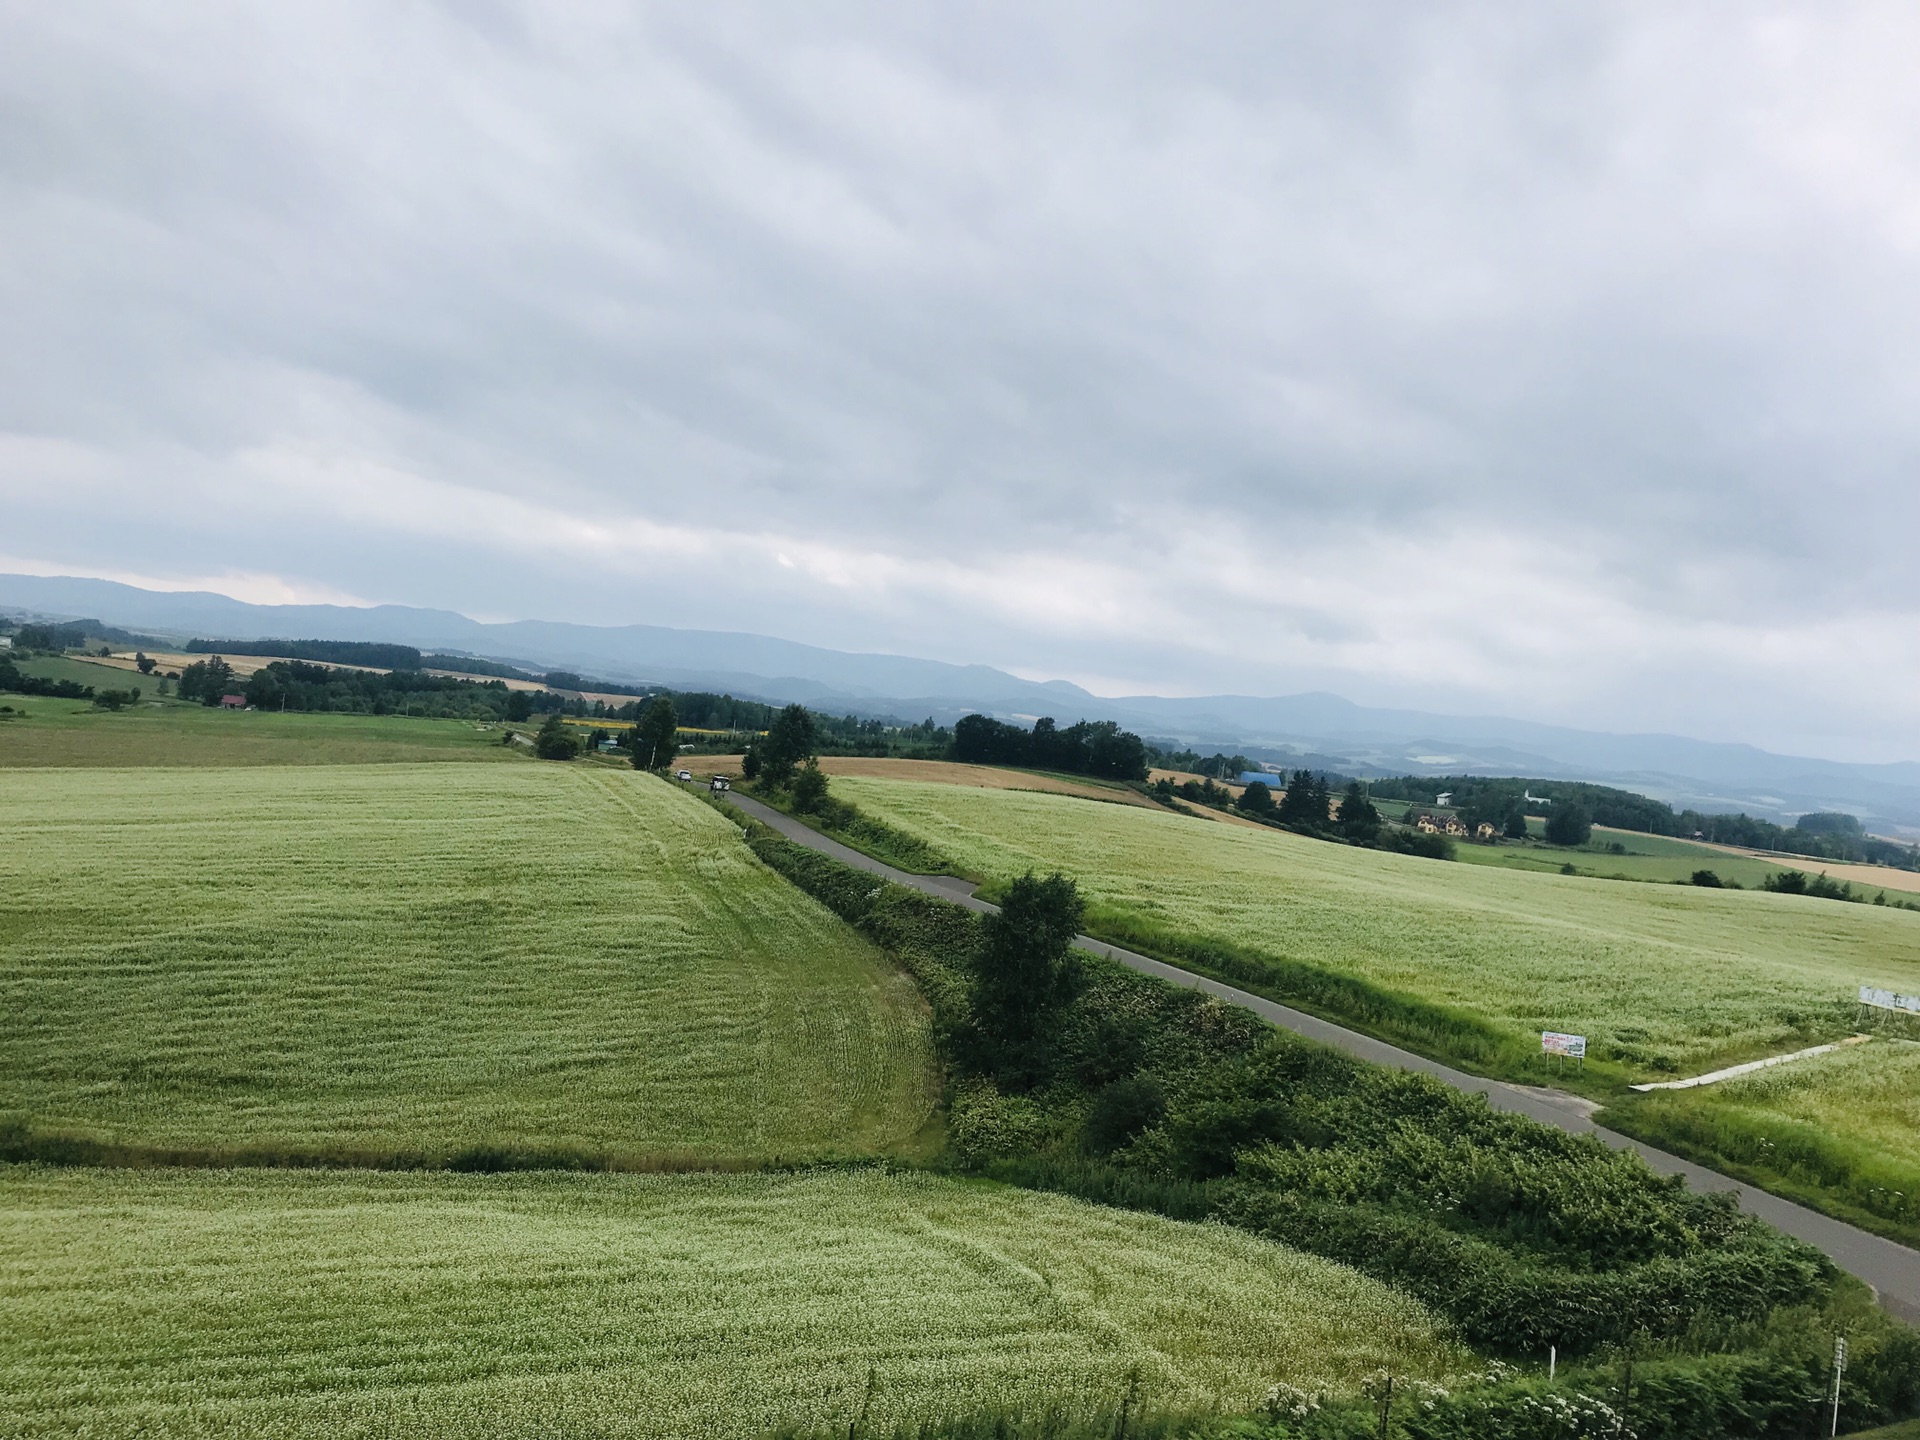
pixel 939 772
pixel 984 777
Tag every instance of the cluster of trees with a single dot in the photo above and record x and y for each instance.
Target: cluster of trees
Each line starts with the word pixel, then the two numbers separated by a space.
pixel 1199 792
pixel 117 699
pixel 304 686
pixel 1087 747
pixel 1821 887
pixel 773 758
pixel 11 678
pixel 1213 767
pixel 1307 807
pixel 1828 835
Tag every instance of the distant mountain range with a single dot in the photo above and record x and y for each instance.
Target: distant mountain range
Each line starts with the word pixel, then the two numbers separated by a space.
pixel 1320 729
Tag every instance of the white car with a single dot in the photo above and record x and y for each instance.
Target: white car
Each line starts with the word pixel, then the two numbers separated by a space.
pixel 684 775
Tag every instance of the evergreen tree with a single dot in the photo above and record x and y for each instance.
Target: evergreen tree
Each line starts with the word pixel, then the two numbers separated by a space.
pixel 809 787
pixel 1256 799
pixel 1025 975
pixel 1358 817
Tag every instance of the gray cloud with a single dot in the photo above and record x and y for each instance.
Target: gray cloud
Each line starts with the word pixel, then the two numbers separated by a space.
pixel 1545 362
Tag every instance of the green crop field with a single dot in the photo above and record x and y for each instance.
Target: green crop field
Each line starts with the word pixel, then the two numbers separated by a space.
pixel 47 733
pixel 1657 858
pixel 418 960
pixel 1841 1131
pixel 1664 979
pixel 174 1303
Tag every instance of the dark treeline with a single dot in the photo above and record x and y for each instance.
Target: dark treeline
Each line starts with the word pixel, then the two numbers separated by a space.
pixel 300 685
pixel 1087 747
pixel 1825 836
pixel 304 686
pixel 71 635
pixel 12 680
pixel 377 654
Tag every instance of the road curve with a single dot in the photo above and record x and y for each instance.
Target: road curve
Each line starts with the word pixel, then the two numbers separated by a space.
pixel 1893 1270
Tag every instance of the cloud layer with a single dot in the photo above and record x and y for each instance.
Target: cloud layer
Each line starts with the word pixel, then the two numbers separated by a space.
pixel 1551 363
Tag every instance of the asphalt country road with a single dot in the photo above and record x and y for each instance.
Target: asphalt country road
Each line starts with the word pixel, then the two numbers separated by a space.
pixel 1893 1270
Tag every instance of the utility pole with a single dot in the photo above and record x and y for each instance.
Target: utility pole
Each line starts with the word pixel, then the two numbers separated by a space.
pixel 1839 1368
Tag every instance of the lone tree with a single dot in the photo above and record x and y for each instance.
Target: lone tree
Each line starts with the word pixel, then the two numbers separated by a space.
pixel 1358 817
pixel 1516 826
pixel 553 742
pixel 653 736
pixel 788 741
pixel 1569 824
pixel 1025 975
pixel 143 661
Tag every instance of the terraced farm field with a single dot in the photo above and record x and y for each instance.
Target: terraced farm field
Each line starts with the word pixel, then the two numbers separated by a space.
pixel 1665 979
pixel 392 961
pixel 177 1303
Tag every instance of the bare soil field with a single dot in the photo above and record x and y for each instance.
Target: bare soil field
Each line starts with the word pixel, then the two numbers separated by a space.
pixel 1870 877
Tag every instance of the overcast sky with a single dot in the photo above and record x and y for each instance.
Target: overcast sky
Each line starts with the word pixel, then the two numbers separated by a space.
pixel 1556 361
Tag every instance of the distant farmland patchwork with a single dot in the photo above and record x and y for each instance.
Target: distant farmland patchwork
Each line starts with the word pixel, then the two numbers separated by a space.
pixel 328 1304
pixel 1670 978
pixel 423 959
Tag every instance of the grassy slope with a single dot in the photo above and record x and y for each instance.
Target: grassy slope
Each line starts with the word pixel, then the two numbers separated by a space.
pixel 430 958
pixel 1841 1132
pixel 1693 976
pixel 189 1303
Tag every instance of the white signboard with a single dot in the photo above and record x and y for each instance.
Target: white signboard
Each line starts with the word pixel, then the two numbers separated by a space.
pixel 1552 1042
pixel 1887 1000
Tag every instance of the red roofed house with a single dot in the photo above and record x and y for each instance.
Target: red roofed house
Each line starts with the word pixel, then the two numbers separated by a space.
pixel 233 702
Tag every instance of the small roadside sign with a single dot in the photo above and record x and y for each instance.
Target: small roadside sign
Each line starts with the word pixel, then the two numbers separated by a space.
pixel 1887 1000
pixel 1552 1042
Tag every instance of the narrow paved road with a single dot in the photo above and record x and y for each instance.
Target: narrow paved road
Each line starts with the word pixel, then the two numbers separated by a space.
pixel 1892 1270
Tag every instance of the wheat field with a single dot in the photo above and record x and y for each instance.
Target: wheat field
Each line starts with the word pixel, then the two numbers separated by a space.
pixel 1665 978
pixel 274 1303
pixel 371 961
